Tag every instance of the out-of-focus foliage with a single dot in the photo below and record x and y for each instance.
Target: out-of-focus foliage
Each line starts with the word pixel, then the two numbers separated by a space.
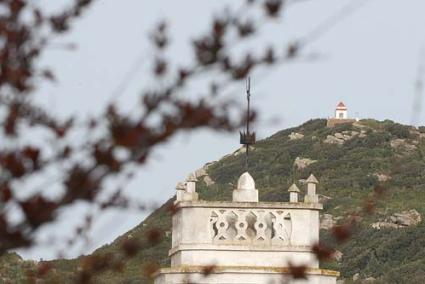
pixel 116 142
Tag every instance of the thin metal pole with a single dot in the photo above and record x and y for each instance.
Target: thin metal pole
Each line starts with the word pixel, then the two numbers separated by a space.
pixel 248 97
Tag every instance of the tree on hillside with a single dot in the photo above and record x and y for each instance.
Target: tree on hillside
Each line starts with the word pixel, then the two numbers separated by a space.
pixel 117 143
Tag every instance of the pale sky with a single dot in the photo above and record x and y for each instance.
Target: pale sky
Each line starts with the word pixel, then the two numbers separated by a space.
pixel 369 60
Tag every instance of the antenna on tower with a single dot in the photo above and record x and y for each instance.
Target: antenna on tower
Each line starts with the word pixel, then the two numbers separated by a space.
pixel 247 138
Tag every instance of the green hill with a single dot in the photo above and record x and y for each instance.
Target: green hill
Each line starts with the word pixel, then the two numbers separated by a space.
pixel 349 161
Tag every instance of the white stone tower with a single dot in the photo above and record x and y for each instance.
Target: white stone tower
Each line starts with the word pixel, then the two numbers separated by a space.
pixel 244 241
pixel 341 111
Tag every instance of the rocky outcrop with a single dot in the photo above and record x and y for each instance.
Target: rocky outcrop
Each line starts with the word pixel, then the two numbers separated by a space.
pixel 357 279
pixel 323 198
pixel 202 173
pixel 208 180
pixel 340 137
pixel 295 136
pixel 333 140
pixel 399 220
pixel 402 144
pixel 337 255
pixel 327 222
pixel 242 150
pixel 363 129
pixel 417 134
pixel 382 177
pixel 302 163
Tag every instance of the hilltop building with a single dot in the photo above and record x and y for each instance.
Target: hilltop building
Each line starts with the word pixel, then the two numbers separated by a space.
pixel 341 111
pixel 244 240
pixel 341 116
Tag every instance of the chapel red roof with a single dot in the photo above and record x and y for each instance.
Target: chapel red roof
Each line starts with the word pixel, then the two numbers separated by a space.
pixel 341 106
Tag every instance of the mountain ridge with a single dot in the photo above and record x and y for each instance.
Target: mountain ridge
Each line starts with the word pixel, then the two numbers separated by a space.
pixel 349 160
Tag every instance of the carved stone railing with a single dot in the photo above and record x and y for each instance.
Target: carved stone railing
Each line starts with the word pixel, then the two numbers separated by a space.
pixel 250 226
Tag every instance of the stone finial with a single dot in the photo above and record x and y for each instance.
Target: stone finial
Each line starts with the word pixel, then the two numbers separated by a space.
pixel 181 191
pixel 311 196
pixel 191 178
pixel 294 188
pixel 312 179
pixel 186 191
pixel 293 193
pixel 245 191
pixel 246 182
pixel 191 183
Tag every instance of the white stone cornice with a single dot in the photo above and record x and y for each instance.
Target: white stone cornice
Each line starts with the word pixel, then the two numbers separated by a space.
pixel 249 205
pixel 227 247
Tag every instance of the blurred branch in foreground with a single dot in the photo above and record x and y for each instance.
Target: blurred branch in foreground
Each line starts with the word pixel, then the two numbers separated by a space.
pixel 117 142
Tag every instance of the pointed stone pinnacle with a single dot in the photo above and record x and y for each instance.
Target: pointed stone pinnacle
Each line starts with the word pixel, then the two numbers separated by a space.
pixel 246 182
pixel 294 188
pixel 312 179
pixel 191 178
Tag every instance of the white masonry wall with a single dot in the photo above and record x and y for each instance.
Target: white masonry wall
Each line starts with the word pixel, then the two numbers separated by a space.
pixel 245 234
pixel 341 114
pixel 249 276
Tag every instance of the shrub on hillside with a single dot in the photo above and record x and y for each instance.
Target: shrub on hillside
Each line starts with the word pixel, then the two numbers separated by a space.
pixel 376 139
pixel 398 130
pixel 367 181
pixel 313 124
pixel 343 127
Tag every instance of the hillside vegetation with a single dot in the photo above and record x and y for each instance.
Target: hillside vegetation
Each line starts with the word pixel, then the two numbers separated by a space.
pixel 349 160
